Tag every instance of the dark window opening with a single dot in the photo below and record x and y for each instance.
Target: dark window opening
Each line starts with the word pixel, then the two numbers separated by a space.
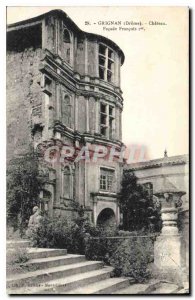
pixel 19 40
pixel 102 49
pixel 103 120
pixel 103 108
pixel 110 110
pixel 110 65
pixel 101 61
pixel 101 73
pixel 66 36
pixel 67 44
pixel 110 54
pixel 109 76
pixel 103 131
pixel 110 128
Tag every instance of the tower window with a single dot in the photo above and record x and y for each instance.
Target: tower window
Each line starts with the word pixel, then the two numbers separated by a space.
pixel 66 36
pixel 106 179
pixel 102 49
pixel 106 63
pixel 67 183
pixel 107 120
pixel 66 111
pixel 67 45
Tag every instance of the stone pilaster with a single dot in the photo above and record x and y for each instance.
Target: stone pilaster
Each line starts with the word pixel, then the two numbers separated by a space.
pixel 97 113
pixel 87 114
pixel 167 247
pixel 86 56
pixel 97 59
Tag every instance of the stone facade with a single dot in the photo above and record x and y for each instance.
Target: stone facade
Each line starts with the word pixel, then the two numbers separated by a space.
pixel 63 88
pixel 174 168
pixel 172 247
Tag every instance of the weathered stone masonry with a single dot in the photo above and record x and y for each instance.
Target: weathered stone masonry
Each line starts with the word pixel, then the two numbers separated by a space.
pixel 63 88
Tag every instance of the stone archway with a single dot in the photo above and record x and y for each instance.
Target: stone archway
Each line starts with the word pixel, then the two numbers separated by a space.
pixel 106 218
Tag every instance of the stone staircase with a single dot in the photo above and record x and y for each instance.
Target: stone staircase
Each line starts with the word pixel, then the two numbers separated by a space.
pixel 53 271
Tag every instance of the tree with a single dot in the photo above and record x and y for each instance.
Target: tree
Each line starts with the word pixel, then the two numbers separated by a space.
pixel 137 205
pixel 23 188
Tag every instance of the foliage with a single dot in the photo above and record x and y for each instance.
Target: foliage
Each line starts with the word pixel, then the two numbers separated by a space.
pixel 107 231
pixel 137 205
pixel 131 258
pixel 15 260
pixel 12 234
pixel 101 248
pixel 59 232
pixel 129 255
pixel 23 188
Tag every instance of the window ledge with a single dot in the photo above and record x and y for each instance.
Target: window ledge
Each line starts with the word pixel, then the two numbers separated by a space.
pixel 106 193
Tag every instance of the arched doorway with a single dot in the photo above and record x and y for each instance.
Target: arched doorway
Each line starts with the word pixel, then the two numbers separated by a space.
pixel 106 218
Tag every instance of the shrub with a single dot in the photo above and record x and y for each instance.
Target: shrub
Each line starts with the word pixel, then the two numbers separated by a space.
pixel 108 231
pixel 129 255
pixel 12 234
pixel 137 206
pixel 100 248
pixel 58 232
pixel 23 188
pixel 131 258
pixel 20 256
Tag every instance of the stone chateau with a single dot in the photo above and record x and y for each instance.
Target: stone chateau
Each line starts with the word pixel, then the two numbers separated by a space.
pixel 63 88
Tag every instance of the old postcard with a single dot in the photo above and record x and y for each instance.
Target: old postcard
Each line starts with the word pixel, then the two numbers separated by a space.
pixel 97 150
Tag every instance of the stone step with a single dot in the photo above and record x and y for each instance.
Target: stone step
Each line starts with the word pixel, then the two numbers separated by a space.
pixel 106 286
pixel 136 288
pixel 166 288
pixel 54 261
pixel 62 285
pixel 35 253
pixel 35 277
pixel 156 287
pixel 17 244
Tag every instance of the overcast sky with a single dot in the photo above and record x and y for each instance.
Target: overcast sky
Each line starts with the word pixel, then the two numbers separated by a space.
pixel 154 77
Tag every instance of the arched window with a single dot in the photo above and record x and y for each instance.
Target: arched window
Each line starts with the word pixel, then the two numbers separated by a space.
pixel 67 183
pixel 67 44
pixel 66 111
pixel 66 36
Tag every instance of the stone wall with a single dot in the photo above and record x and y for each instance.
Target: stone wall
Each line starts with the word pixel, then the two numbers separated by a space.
pixel 23 95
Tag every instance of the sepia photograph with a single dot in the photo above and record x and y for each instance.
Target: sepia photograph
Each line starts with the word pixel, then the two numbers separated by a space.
pixel 97 150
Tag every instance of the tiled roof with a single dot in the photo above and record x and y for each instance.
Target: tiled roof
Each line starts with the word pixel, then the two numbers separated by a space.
pixel 156 163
